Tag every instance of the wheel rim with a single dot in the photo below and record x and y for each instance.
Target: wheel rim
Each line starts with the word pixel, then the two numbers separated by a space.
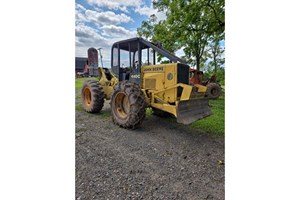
pixel 87 96
pixel 121 105
pixel 214 91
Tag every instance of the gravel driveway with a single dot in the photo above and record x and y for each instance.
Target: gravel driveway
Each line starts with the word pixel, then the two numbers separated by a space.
pixel 160 160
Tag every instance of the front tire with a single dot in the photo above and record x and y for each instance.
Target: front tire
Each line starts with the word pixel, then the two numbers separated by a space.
pixel 128 105
pixel 92 96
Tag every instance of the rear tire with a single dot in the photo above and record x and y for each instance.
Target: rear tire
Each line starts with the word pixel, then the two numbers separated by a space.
pixel 92 96
pixel 128 105
pixel 213 90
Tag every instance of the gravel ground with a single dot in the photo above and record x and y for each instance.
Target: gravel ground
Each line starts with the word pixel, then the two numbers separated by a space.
pixel 160 160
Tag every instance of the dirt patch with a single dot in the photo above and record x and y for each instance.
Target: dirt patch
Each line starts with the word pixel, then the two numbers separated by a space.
pixel 160 160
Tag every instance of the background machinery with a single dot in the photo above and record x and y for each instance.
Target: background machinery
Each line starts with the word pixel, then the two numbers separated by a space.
pixel 213 88
pixel 133 85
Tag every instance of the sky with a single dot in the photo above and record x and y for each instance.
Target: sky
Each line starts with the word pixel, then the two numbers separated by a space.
pixel 100 23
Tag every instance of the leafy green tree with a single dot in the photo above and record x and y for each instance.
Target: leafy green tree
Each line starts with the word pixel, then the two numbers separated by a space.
pixel 147 28
pixel 189 24
pixel 216 53
pixel 159 32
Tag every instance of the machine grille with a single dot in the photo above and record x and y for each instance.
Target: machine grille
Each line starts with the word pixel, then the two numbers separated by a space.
pixel 150 83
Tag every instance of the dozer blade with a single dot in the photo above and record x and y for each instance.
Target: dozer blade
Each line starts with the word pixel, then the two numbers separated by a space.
pixel 192 110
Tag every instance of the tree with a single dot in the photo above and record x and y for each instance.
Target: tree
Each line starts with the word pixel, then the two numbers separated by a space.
pixel 216 52
pixel 159 32
pixel 189 24
pixel 147 28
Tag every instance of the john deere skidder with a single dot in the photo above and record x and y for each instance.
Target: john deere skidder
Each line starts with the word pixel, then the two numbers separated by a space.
pixel 139 83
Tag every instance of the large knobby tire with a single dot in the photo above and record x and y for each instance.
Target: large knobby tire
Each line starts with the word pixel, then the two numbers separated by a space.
pixel 213 90
pixel 92 96
pixel 128 105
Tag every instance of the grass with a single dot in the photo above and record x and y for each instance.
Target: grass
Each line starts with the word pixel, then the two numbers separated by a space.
pixel 214 124
pixel 79 107
pixel 79 82
pixel 148 112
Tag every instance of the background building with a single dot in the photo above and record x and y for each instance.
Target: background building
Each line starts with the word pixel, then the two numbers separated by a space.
pixel 80 63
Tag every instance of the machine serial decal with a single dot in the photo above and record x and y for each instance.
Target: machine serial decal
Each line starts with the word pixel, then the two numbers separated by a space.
pixel 135 76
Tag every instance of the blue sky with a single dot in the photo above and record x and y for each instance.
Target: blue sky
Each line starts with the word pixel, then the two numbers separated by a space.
pixel 100 23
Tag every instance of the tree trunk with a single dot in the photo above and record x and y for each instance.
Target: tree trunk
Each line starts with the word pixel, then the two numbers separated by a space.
pixel 198 62
pixel 215 61
pixel 200 54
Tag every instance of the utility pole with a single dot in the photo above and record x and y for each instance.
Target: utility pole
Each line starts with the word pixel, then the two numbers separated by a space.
pixel 100 56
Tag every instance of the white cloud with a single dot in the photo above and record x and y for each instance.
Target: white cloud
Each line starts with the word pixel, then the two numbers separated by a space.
pixel 180 52
pixel 138 6
pixel 148 11
pixel 145 10
pixel 112 30
pixel 87 36
pixel 80 18
pixel 98 9
pixel 124 9
pixel 116 4
pixel 99 17
pixel 107 17
pixel 79 7
pixel 80 14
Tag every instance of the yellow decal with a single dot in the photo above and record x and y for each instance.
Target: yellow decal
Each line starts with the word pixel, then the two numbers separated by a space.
pixel 153 69
pixel 170 76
